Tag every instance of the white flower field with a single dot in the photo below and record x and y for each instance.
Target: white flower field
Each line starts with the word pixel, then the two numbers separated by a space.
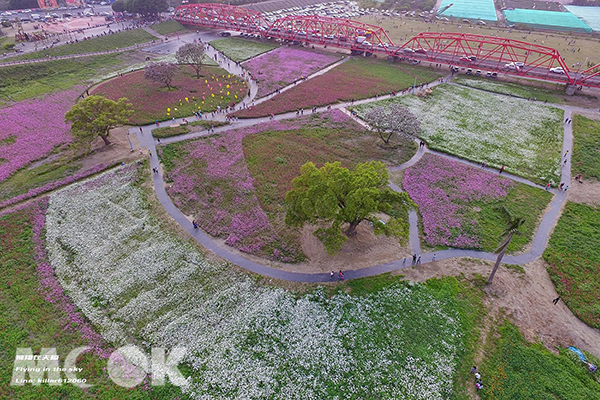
pixel 139 285
pixel 524 136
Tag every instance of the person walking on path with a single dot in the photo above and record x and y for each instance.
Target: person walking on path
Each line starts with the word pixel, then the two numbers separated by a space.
pixel 482 165
pixel 566 153
pixel 414 259
pixel 548 186
pixel 556 300
pixel 501 170
pixel 418 260
pixel 331 275
pixel 341 275
pixel 434 256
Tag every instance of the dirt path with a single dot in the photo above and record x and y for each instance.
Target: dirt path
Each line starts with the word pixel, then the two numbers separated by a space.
pixel 525 297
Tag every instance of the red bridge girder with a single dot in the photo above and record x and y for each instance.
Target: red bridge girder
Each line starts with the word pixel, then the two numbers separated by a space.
pixel 328 31
pixel 593 71
pixel 221 16
pixel 490 53
pixel 485 53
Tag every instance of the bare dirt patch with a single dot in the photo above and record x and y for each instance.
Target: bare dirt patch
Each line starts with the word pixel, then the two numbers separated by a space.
pixel 526 298
pixel 360 251
pixel 587 192
pixel 118 150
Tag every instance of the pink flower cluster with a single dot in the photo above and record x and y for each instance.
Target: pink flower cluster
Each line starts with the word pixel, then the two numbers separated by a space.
pixel 31 129
pixel 443 189
pixel 282 66
pixel 52 185
pixel 213 183
pixel 53 291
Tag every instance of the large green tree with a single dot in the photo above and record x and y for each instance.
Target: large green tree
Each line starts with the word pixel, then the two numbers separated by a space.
pixel 96 116
pixel 118 6
pixel 336 196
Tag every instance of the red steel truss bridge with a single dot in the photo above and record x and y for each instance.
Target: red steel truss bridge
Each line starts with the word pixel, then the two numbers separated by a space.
pixel 476 54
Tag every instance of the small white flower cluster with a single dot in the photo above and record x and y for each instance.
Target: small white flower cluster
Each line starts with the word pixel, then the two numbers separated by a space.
pixel 524 136
pixel 245 340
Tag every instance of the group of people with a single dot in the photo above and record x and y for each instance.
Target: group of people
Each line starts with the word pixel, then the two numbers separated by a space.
pixel 340 275
pixel 478 383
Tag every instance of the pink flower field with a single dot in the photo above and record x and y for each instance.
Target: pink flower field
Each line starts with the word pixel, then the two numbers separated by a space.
pixel 212 182
pixel 443 189
pixel 282 66
pixel 31 129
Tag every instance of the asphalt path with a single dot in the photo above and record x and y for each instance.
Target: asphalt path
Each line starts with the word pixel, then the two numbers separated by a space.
pixel 539 243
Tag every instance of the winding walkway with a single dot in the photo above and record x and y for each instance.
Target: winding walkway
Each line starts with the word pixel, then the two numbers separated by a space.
pixel 539 243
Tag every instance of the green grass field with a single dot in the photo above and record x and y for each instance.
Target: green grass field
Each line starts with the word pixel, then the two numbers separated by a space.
pixel 110 42
pixel 514 89
pixel 523 201
pixel 585 159
pixel 193 126
pixel 516 369
pixel 273 174
pixel 25 179
pixel 168 27
pixel 241 49
pixel 574 257
pixel 31 80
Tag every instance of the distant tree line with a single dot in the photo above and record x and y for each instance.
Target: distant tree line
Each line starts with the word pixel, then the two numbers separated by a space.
pixel 22 4
pixel 144 8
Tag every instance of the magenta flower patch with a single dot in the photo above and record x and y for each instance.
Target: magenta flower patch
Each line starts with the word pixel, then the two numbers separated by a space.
pixel 211 182
pixel 443 189
pixel 282 66
pixel 31 129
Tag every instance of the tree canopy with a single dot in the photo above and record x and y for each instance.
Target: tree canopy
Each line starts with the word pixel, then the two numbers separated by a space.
pixel 96 116
pixel 162 72
pixel 146 8
pixel 191 54
pixel 118 6
pixel 391 120
pixel 336 196
pixel 22 4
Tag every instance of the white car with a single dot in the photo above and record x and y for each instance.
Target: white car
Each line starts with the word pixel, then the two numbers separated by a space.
pixel 557 70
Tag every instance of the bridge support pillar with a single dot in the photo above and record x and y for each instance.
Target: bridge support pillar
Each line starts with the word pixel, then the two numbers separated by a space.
pixel 570 90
